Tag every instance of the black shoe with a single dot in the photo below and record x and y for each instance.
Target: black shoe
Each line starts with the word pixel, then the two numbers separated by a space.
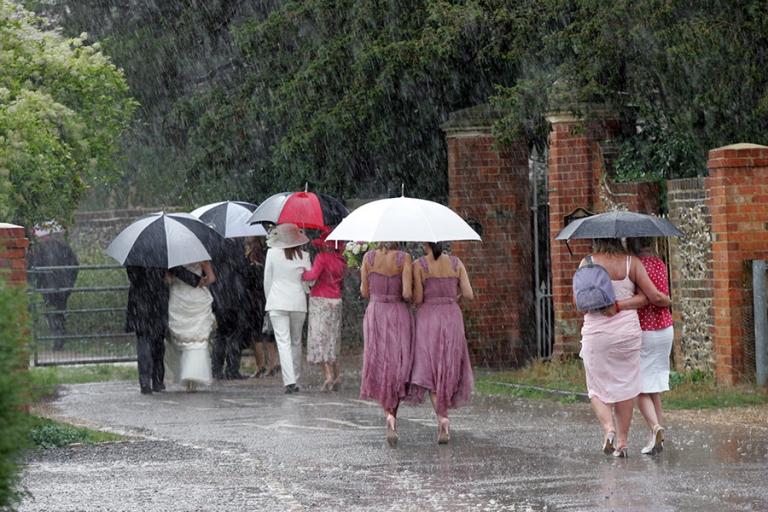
pixel 274 371
pixel 146 391
pixel 157 388
pixel 295 388
pixel 235 376
pixel 289 389
pixel 260 373
pixel 218 376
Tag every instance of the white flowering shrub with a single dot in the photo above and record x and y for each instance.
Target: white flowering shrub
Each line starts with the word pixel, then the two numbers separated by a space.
pixel 354 252
pixel 63 105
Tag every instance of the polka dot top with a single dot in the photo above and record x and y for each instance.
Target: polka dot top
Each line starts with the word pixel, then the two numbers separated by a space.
pixel 653 318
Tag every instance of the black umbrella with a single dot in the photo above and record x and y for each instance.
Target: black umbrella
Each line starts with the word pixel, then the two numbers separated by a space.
pixel 618 224
pixel 230 218
pixel 164 240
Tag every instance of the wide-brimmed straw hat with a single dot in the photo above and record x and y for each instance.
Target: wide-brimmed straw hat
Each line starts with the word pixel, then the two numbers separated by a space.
pixel 285 236
pixel 321 241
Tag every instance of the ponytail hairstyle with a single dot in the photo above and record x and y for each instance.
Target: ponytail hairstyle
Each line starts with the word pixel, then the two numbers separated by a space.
pixel 437 248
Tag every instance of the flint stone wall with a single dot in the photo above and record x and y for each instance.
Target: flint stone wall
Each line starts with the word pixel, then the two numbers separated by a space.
pixel 691 275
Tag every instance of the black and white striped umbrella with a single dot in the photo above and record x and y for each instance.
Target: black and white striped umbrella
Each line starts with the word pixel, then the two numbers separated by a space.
pixel 230 218
pixel 164 240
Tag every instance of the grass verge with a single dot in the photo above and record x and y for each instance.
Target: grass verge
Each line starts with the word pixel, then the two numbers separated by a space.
pixel 689 390
pixel 46 434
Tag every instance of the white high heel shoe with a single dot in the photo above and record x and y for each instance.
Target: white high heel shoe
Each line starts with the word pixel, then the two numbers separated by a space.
pixel 656 444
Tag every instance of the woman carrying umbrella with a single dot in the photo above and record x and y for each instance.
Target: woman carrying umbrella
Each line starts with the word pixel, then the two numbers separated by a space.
pixel 286 299
pixel 441 359
pixel 386 280
pixel 611 340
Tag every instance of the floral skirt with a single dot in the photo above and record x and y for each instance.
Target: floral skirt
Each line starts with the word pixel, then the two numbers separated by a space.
pixel 324 330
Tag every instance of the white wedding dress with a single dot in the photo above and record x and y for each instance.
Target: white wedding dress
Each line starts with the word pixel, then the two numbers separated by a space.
pixel 190 322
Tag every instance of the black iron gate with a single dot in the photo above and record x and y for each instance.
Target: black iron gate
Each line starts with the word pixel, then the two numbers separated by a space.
pixel 545 335
pixel 91 329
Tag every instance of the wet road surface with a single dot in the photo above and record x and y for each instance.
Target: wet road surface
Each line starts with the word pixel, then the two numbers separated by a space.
pixel 246 445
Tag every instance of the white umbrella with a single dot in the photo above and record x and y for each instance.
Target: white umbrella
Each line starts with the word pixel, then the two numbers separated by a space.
pixel 230 218
pixel 403 219
pixel 164 240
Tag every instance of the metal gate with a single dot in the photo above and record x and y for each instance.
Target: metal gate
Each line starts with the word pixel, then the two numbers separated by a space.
pixel 91 328
pixel 545 316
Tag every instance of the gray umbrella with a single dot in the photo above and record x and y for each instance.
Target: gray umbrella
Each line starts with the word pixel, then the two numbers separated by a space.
pixel 619 224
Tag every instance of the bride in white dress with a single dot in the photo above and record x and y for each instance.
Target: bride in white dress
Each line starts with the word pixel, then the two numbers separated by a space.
pixel 190 322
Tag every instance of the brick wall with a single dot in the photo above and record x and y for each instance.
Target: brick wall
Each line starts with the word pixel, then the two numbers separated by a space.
pixel 738 193
pixel 490 187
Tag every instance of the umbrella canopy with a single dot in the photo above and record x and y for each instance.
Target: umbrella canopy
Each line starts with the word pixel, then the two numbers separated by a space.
pixel 305 209
pixel 230 218
pixel 164 240
pixel 403 219
pixel 619 224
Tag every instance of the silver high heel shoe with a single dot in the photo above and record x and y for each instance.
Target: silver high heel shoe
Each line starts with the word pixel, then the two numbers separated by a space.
pixel 656 444
pixel 622 453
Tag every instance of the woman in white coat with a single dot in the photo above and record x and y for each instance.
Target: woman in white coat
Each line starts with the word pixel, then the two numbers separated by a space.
pixel 286 296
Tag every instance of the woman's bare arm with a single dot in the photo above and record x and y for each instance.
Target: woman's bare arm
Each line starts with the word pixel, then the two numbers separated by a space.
pixel 643 281
pixel 418 285
pixel 364 269
pixel 208 276
pixel 467 295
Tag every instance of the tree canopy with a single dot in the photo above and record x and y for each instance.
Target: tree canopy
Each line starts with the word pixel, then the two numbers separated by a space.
pixel 239 100
pixel 62 106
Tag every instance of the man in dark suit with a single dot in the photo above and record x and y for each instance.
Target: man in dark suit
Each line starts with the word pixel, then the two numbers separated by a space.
pixel 147 316
pixel 229 300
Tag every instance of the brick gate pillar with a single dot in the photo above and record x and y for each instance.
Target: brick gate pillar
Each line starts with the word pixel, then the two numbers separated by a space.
pixel 575 169
pixel 13 254
pixel 738 193
pixel 490 188
pixel 13 259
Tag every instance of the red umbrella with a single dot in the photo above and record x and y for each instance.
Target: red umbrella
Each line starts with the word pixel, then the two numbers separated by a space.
pixel 305 209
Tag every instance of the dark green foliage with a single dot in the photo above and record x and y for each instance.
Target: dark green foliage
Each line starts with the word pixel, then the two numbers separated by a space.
pixel 692 75
pixel 239 100
pixel 14 390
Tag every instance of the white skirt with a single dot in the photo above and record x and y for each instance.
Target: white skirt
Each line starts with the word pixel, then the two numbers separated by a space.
pixel 190 322
pixel 654 359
